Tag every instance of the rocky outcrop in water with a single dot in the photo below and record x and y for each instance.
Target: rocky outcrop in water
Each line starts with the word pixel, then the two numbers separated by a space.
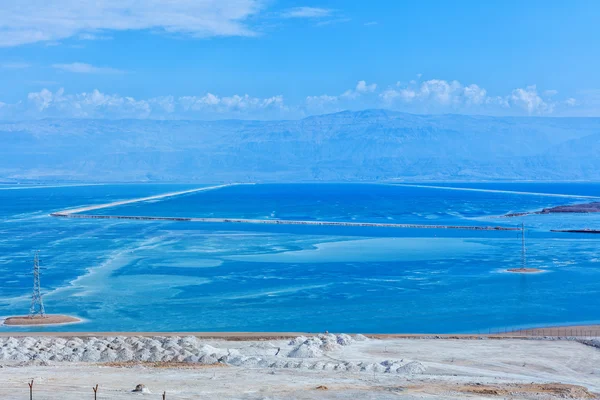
pixel 573 208
pixel 592 207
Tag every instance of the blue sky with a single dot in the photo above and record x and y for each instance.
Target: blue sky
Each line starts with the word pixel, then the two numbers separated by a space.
pixel 214 59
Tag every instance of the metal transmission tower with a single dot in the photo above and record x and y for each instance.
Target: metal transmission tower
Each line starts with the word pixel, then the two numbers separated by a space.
pixel 37 305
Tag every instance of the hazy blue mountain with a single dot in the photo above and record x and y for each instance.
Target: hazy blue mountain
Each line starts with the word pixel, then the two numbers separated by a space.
pixel 365 145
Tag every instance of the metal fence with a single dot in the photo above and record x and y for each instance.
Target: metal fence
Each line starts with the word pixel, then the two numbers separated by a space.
pixel 95 392
pixel 564 332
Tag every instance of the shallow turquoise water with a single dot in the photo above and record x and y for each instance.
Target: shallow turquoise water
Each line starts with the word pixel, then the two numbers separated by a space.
pixel 126 275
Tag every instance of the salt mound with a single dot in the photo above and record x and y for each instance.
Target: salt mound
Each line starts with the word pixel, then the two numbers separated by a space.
pixel 352 367
pixel 329 346
pixel 297 341
pixel 360 338
pixel 413 367
pixel 399 367
pixel 317 366
pixel 329 366
pixel 190 349
pixel 344 340
pixel 277 364
pixel 306 350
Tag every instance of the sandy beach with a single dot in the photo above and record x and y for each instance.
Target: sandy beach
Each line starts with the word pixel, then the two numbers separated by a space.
pixel 306 367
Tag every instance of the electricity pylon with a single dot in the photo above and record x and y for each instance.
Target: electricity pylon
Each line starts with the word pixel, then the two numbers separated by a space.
pixel 37 305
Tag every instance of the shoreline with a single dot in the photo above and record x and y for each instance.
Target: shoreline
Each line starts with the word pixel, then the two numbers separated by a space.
pixel 584 330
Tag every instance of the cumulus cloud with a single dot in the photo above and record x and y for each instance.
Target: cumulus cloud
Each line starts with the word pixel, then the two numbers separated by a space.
pixel 95 104
pixel 436 91
pixel 83 68
pixel 454 96
pixel 530 100
pixel 53 20
pixel 214 103
pixel 431 96
pixel 361 88
pixel 307 12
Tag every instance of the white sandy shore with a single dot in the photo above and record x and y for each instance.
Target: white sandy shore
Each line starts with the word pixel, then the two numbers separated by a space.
pixel 349 367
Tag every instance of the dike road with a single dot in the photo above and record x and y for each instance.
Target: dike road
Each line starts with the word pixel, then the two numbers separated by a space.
pixel 77 213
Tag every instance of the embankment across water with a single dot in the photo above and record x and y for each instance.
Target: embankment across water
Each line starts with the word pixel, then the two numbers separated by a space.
pixel 76 213
pixel 141 199
pixel 282 222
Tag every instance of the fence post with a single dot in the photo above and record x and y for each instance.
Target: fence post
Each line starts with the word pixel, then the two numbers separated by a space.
pixel 31 390
pixel 164 395
pixel 95 391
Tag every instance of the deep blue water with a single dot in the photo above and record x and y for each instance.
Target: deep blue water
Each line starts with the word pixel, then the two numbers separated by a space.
pixel 124 275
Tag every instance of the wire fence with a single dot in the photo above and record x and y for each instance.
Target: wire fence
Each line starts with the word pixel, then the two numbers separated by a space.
pixel 566 332
pixel 94 393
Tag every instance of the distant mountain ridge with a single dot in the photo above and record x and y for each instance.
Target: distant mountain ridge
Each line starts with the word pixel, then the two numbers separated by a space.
pixel 346 146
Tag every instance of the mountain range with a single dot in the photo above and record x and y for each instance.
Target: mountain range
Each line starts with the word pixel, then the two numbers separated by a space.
pixel 368 145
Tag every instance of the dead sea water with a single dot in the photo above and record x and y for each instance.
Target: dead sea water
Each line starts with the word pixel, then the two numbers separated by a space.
pixel 123 275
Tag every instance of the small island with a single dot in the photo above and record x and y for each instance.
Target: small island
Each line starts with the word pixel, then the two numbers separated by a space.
pixel 53 319
pixel 37 313
pixel 524 270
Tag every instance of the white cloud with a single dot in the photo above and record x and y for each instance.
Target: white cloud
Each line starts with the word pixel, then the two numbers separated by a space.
pixel 83 68
pixel 325 100
pixel 432 96
pixel 321 102
pixel 438 94
pixel 474 94
pixel 362 87
pixel 434 91
pixel 14 65
pixel 92 36
pixel 96 104
pixel 307 12
pixel 87 105
pixel 235 103
pixel 530 100
pixel 32 21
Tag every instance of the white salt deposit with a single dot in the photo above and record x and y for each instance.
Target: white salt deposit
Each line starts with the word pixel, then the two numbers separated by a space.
pixel 307 353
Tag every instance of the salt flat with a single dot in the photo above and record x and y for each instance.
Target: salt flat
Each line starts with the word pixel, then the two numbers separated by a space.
pixel 320 367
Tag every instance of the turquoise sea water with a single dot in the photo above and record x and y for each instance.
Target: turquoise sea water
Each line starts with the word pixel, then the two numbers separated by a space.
pixel 123 275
